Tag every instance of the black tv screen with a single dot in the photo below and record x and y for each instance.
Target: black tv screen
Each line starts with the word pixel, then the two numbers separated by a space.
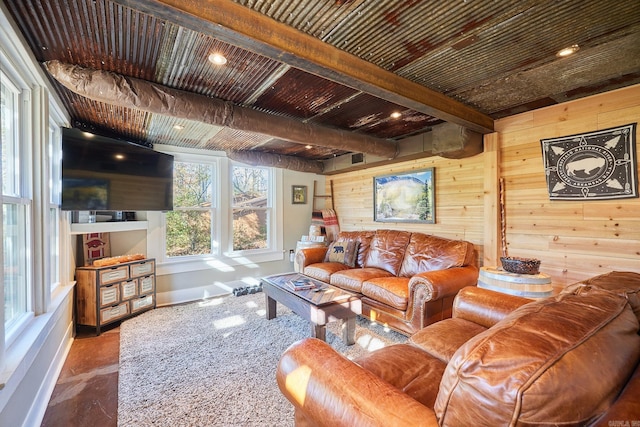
pixel 107 174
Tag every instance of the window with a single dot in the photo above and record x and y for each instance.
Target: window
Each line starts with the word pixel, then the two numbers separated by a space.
pixel 190 226
pixel 33 252
pixel 10 148
pixel 15 212
pixel 251 208
pixel 224 215
pixel 55 181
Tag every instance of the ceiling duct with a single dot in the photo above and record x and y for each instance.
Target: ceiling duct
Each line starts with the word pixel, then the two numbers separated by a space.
pixel 453 141
pixel 257 158
pixel 446 140
pixel 116 89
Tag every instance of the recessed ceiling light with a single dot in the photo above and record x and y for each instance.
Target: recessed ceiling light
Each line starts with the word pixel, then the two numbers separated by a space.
pixel 568 50
pixel 396 115
pixel 178 127
pixel 217 59
pixel 308 147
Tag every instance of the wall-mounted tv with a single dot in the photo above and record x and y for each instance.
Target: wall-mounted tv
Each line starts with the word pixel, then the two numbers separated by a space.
pixel 107 174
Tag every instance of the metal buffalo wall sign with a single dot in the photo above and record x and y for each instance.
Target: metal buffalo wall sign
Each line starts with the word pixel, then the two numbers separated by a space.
pixel 595 165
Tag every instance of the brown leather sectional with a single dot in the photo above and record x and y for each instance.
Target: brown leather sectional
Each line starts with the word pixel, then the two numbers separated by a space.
pixel 406 280
pixel 501 360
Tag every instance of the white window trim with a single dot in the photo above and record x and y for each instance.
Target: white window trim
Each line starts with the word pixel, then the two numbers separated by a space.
pixel 273 223
pixel 215 204
pixel 225 259
pixel 24 197
pixel 53 138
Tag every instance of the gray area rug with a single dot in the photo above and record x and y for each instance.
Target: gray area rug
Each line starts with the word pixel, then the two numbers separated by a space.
pixel 212 363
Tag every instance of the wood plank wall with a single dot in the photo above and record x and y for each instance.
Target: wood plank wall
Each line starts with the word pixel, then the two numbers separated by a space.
pixel 574 240
pixel 458 198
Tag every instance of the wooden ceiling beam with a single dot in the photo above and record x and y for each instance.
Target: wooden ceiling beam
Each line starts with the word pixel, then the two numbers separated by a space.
pixel 247 29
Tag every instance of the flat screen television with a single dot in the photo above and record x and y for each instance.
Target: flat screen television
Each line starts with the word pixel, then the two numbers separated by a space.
pixel 107 174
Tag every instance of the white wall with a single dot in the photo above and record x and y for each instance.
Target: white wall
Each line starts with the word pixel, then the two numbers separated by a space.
pixel 192 285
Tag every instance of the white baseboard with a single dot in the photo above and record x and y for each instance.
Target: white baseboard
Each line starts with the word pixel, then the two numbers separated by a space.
pixel 41 401
pixel 192 294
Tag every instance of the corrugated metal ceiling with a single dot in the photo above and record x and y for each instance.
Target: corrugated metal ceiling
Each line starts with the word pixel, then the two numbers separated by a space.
pixel 495 56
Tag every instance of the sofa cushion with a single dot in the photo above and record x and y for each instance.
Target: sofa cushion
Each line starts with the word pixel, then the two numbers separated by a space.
pixel 621 282
pixel 352 279
pixel 407 368
pixel 428 253
pixel 364 242
pixel 323 271
pixel 442 339
pixel 387 250
pixel 343 251
pixel 393 291
pixel 560 361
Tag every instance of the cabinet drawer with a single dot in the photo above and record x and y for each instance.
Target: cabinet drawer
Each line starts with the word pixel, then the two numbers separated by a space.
pixel 142 303
pixel 147 284
pixel 109 295
pixel 142 269
pixel 113 313
pixel 115 274
pixel 129 289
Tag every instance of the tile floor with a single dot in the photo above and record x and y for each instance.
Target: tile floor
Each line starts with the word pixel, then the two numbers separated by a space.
pixel 86 393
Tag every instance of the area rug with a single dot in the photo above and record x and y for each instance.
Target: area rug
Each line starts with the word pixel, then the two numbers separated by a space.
pixel 212 363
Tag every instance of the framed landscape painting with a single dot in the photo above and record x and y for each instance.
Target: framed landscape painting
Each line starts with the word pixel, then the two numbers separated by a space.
pixel 405 197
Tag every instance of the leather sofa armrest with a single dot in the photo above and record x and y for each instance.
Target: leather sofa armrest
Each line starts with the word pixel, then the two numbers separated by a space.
pixel 444 283
pixel 485 307
pixel 308 256
pixel 431 294
pixel 328 389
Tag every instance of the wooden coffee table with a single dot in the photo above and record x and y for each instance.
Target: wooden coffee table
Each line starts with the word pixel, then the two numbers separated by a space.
pixel 319 306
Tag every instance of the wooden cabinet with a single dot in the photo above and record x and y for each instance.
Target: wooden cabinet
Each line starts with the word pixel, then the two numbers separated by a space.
pixel 109 294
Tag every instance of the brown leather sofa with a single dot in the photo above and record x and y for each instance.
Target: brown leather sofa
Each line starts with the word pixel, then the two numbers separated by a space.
pixel 406 280
pixel 570 360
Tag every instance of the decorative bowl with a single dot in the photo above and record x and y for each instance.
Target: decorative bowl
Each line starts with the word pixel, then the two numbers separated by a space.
pixel 520 265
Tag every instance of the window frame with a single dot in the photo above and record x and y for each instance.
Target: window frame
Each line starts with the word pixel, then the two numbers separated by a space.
pixel 16 190
pixel 272 224
pixel 20 195
pixel 225 259
pixel 53 211
pixel 213 211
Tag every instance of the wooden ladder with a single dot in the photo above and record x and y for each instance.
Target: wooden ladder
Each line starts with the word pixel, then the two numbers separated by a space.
pixel 322 196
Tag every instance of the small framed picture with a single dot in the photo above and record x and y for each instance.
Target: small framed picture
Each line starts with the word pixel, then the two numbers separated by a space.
pixel 299 194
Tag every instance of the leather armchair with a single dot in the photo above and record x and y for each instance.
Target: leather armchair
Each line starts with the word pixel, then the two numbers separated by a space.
pixel 500 360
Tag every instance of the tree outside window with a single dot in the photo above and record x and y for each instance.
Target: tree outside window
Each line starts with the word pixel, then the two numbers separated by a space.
pixel 189 225
pixel 251 208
